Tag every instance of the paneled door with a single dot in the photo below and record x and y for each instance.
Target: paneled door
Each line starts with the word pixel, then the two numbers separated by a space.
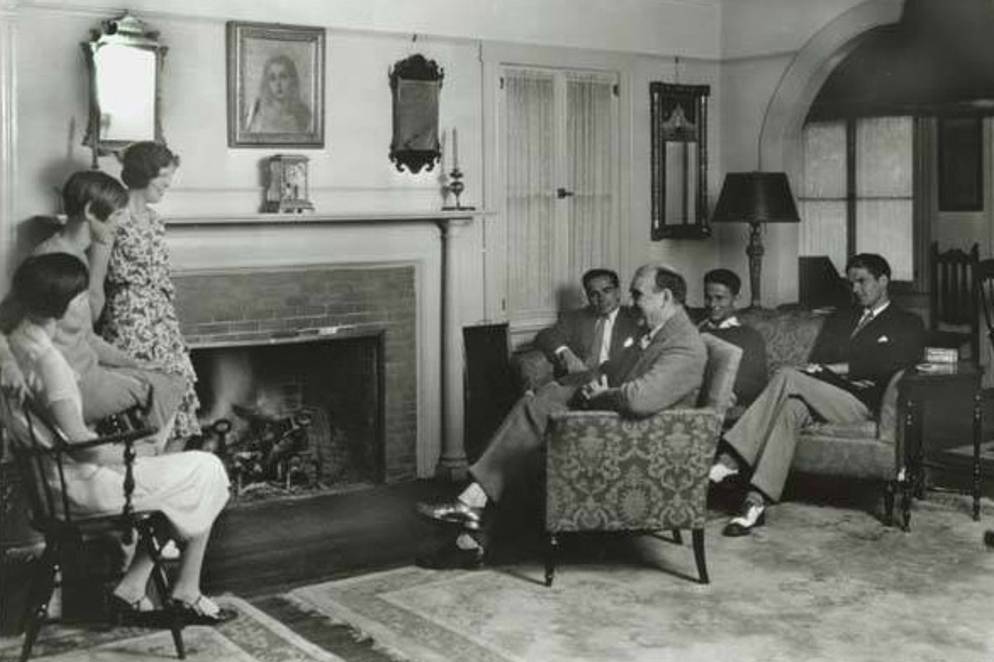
pixel 558 161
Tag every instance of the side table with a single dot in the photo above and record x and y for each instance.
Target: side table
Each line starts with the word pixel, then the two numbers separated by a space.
pixel 915 390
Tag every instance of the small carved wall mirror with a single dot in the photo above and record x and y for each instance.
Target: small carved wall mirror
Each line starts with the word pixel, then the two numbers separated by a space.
pixel 415 84
pixel 679 116
pixel 124 61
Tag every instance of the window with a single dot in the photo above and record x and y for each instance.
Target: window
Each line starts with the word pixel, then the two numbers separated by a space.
pixel 858 194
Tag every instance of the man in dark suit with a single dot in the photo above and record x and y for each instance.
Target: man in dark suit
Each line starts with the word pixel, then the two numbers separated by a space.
pixel 856 354
pixel 583 339
pixel 663 368
pixel 721 290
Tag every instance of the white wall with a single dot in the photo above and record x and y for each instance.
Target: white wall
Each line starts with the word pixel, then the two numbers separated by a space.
pixel 775 56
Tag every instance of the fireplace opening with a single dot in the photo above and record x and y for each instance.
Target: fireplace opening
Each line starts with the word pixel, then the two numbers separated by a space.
pixel 293 415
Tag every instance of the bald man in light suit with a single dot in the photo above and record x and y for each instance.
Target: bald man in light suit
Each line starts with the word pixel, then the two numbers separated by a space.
pixel 662 369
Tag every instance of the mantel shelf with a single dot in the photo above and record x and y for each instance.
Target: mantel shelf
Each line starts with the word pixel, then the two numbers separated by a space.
pixel 325 218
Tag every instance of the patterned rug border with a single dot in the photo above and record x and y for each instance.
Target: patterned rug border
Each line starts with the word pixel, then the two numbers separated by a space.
pixel 385 639
pixel 52 645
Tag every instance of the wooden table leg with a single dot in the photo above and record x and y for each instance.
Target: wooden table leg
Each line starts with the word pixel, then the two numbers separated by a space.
pixel 977 429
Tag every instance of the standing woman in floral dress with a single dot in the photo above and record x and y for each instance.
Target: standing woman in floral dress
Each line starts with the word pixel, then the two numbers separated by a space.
pixel 139 315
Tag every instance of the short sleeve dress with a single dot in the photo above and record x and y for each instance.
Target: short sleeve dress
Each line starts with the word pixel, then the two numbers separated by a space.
pixel 189 488
pixel 139 316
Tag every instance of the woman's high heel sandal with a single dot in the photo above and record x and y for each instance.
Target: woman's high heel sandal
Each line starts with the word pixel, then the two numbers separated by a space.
pixel 123 612
pixel 202 611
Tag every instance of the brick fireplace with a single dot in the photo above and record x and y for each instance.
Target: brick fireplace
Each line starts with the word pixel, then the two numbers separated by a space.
pixel 309 306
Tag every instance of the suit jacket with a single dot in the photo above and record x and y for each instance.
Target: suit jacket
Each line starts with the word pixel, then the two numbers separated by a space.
pixel 575 329
pixel 894 340
pixel 667 373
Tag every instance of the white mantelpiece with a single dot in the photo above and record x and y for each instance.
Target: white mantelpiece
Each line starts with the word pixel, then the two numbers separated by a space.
pixel 351 218
pixel 428 240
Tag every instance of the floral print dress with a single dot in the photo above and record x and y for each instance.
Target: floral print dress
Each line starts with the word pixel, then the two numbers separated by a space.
pixel 139 316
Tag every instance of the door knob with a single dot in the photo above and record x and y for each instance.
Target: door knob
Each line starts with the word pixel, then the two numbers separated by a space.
pixel 563 193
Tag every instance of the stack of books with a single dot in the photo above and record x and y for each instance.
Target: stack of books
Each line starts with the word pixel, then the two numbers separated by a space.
pixel 939 360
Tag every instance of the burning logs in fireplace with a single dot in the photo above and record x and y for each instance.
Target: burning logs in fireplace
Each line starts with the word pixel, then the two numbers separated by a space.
pixel 265 450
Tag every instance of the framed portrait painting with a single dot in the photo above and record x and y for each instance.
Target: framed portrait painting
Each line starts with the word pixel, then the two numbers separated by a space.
pixel 275 85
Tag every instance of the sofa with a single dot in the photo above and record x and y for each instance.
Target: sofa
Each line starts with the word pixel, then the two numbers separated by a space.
pixel 869 450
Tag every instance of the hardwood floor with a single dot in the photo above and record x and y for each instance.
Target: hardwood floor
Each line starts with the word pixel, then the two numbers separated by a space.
pixel 271 546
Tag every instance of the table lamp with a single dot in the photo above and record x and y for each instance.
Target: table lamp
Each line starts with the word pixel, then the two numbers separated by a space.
pixel 755 198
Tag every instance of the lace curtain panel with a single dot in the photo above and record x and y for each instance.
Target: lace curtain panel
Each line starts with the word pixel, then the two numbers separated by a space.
pixel 530 180
pixel 560 133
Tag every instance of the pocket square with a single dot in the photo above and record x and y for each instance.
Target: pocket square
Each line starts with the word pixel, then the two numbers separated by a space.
pixel 883 339
pixel 629 341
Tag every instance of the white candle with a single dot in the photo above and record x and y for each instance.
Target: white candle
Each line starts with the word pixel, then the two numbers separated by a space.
pixel 455 150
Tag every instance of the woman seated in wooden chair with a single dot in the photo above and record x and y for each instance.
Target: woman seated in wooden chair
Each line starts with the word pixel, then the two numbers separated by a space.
pixel 189 488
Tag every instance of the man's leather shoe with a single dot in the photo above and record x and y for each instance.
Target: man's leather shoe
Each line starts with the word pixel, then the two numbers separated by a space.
pixel 451 557
pixel 752 515
pixel 455 512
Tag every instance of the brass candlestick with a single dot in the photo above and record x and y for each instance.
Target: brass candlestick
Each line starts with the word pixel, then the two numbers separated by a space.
pixel 456 188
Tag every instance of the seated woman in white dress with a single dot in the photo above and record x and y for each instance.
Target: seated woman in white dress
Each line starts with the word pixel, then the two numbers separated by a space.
pixel 190 488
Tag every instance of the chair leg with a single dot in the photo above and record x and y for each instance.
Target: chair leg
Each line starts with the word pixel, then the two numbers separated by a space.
pixel 889 489
pixel 906 504
pixel 551 551
pixel 146 537
pixel 702 568
pixel 42 585
pixel 677 538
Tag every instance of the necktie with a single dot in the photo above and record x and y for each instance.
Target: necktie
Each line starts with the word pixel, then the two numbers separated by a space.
pixel 863 321
pixel 594 356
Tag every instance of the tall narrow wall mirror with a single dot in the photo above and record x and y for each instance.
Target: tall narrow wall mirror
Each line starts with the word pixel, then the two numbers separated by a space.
pixel 124 61
pixel 415 84
pixel 679 117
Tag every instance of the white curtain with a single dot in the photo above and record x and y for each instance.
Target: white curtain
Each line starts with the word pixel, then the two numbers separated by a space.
pixel 530 181
pixel 884 190
pixel 823 197
pixel 591 172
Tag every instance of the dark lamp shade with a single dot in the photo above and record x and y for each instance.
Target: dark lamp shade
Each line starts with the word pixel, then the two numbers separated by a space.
pixel 755 197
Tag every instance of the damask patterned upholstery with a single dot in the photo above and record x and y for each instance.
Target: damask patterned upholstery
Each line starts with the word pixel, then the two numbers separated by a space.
pixel 605 472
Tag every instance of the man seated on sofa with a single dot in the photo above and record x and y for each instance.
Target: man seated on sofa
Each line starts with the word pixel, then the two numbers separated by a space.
pixel 856 354
pixel 584 338
pixel 663 368
pixel 721 291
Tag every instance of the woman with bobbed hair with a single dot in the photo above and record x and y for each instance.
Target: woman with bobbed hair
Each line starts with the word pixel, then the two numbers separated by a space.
pixel 279 108
pixel 189 488
pixel 139 315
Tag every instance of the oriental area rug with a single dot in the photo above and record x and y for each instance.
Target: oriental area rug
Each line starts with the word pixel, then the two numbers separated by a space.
pixel 816 584
pixel 252 637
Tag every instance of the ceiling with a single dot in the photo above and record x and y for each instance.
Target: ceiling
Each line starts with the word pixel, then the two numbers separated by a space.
pixel 938 60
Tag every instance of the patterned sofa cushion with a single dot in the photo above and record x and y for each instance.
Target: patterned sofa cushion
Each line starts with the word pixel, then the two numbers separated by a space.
pixel 789 334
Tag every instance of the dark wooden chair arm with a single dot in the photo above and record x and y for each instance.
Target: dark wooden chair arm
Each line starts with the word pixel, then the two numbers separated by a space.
pixel 131 432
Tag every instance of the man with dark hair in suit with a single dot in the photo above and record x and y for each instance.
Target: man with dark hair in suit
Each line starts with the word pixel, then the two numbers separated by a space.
pixel 663 368
pixel 721 290
pixel 856 354
pixel 582 339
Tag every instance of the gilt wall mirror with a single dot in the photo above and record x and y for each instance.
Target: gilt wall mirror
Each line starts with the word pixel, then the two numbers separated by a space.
pixel 124 61
pixel 679 116
pixel 415 84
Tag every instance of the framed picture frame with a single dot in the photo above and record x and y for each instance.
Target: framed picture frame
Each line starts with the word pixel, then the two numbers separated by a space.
pixel 961 164
pixel 275 85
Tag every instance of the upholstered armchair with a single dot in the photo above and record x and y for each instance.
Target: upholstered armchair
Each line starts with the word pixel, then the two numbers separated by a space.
pixel 609 473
